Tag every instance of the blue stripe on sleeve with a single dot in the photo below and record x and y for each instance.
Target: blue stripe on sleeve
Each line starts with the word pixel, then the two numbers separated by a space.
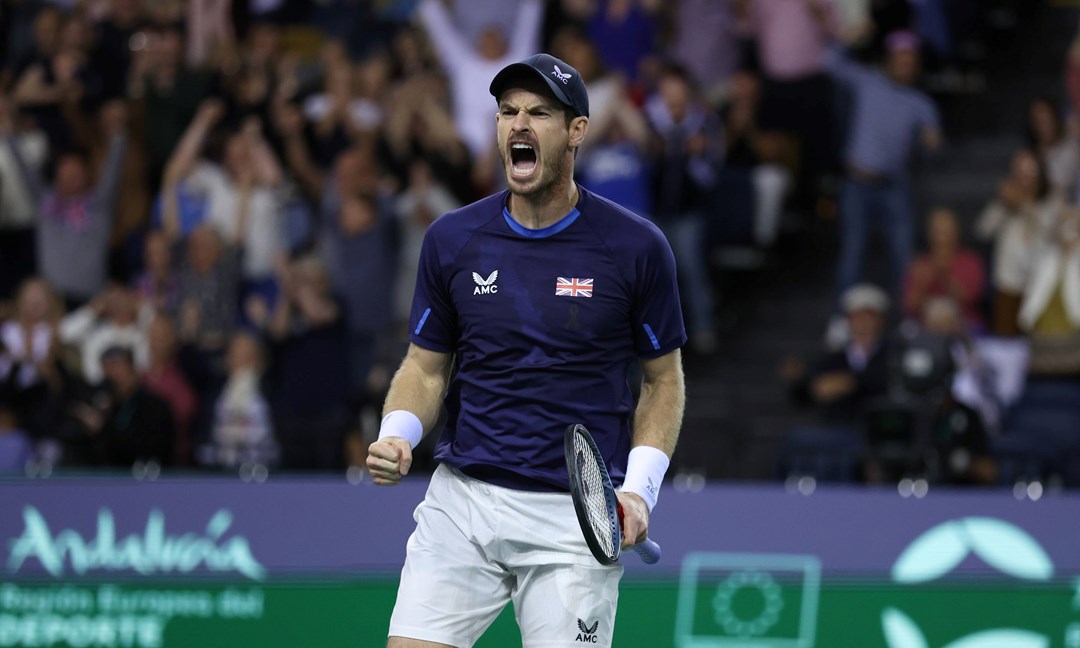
pixel 648 329
pixel 423 318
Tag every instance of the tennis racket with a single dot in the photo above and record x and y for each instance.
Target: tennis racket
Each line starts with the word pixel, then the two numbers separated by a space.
pixel 598 509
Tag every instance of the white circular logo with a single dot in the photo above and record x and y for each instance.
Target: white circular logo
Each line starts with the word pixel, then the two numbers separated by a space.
pixel 1001 545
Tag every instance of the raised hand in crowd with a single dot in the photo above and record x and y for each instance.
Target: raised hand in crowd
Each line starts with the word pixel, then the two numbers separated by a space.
pixel 114 118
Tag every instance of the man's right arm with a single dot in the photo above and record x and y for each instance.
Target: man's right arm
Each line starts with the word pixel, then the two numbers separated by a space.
pixel 411 410
pixel 439 24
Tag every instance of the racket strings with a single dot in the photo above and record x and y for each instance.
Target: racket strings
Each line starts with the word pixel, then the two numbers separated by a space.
pixel 593 481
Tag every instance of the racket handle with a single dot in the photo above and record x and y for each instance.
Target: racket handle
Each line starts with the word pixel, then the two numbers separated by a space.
pixel 648 550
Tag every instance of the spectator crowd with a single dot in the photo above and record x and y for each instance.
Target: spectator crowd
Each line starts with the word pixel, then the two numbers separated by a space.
pixel 211 210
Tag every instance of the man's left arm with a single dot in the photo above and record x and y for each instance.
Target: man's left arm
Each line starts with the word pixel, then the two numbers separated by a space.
pixel 114 124
pixel 657 421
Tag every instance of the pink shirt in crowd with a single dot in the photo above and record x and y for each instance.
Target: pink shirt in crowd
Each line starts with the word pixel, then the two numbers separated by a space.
pixel 792 43
pixel 967 271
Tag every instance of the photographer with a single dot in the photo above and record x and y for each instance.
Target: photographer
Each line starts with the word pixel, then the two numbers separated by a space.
pixel 842 382
pixel 840 387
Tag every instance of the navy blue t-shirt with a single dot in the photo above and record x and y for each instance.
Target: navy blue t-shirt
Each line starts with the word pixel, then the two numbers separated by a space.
pixel 544 325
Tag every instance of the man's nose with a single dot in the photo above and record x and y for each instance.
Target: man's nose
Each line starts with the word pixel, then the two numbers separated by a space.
pixel 520 122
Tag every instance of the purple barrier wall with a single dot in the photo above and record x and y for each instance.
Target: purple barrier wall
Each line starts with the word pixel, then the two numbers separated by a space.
pixel 286 527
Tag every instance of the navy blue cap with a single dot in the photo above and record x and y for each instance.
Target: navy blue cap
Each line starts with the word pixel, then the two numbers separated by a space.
pixel 564 81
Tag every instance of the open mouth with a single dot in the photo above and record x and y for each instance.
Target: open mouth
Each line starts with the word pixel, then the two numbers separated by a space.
pixel 522 159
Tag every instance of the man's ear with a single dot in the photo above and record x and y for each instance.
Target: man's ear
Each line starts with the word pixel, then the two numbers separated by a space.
pixel 579 127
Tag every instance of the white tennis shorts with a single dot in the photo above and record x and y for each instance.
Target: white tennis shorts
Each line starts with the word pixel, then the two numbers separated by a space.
pixel 477 547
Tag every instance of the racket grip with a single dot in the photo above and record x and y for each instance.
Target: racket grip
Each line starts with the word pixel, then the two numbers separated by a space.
pixel 648 551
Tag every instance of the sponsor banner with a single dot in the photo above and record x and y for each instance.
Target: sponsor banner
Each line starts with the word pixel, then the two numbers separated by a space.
pixel 64 528
pixel 349 614
pixel 115 562
pixel 87 527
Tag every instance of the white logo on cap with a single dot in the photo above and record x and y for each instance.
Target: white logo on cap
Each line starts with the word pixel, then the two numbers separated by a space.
pixel 560 75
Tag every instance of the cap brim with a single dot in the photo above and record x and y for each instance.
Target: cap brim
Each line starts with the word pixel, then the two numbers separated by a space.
pixel 506 77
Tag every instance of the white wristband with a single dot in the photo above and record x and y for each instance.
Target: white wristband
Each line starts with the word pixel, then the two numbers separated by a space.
pixel 645 470
pixel 402 424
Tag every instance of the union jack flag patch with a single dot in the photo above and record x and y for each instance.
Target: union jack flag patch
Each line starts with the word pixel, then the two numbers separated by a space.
pixel 573 287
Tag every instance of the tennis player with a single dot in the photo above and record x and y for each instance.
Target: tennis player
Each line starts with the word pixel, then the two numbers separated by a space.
pixel 540 298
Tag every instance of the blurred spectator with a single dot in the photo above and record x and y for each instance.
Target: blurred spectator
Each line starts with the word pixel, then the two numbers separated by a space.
pixel 624 33
pixel 18 207
pixel 356 240
pixel 123 423
pixel 242 431
pixel 209 290
pixel 614 162
pixel 310 367
pixel 1016 223
pixel 253 74
pixel 29 337
pixel 755 158
pixel 46 81
pixel 1050 307
pixel 210 29
pixel 1024 191
pixel 76 215
pixel 29 376
pixel 411 53
pixel 842 387
pixel 167 93
pixel 706 44
pixel 359 247
pixel 793 38
pixel 15 446
pixel 965 410
pixel 32 34
pixel 183 206
pixel 474 17
pixel 164 378
pixel 1055 145
pixel 946 270
pixel 117 34
pixel 688 154
pixel 609 93
pixel 351 103
pixel 368 27
pixel 889 120
pixel 973 375
pixel 843 383
pixel 159 284
pixel 419 126
pixel 470 66
pixel 243 198
pixel 423 200
pixel 111 319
